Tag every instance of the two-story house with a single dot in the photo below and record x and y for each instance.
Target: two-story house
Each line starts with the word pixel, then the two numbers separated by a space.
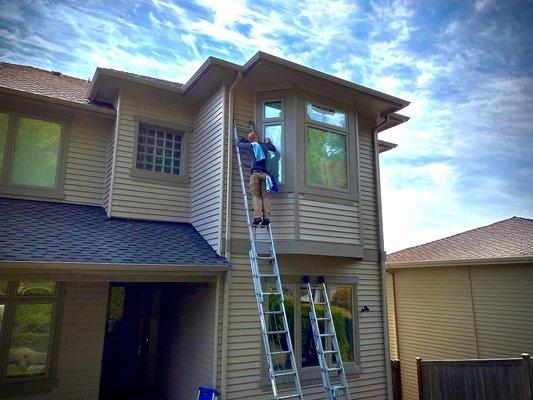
pixel 124 270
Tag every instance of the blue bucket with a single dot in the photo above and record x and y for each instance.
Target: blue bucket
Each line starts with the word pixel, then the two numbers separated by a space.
pixel 207 393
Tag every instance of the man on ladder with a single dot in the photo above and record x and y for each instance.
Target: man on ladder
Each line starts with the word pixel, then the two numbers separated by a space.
pixel 258 175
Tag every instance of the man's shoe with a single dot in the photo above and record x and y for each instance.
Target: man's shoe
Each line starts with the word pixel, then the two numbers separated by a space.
pixel 256 222
pixel 265 222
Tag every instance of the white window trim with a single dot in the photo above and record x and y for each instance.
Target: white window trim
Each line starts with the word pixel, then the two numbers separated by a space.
pixel 163 177
pixel 56 192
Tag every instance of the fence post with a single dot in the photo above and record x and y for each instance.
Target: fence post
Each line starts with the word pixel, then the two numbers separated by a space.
pixel 419 375
pixel 526 376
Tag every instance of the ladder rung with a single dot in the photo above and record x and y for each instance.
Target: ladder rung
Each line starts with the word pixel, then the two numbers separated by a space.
pixel 271 293
pixel 320 304
pixel 322 318
pixel 326 334
pixel 290 396
pixel 267 275
pixel 330 351
pixel 334 369
pixel 284 373
pixel 276 332
pixel 280 352
pixel 273 312
pixel 265 257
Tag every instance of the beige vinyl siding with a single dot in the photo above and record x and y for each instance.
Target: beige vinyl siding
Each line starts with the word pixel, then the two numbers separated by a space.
pixel 188 351
pixel 244 341
pixel 503 310
pixel 206 171
pixel 328 222
pixel 368 206
pixel 391 316
pixel 81 344
pixel 146 198
pixel 110 162
pixel 434 319
pixel 86 160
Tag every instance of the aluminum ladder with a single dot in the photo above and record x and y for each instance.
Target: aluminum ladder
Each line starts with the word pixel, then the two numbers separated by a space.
pixel 329 358
pixel 277 342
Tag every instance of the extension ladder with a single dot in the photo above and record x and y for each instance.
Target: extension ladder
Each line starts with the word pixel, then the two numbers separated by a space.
pixel 327 345
pixel 282 368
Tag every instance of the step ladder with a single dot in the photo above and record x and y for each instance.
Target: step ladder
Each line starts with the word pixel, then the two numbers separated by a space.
pixel 326 344
pixel 282 368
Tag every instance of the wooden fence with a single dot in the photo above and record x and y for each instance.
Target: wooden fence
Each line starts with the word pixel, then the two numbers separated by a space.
pixel 498 379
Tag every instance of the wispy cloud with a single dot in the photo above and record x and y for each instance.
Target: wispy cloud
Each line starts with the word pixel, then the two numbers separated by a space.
pixel 464 157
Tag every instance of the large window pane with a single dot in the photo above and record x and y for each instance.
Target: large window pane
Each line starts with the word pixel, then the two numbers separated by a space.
pixel 30 339
pixel 326 158
pixel 36 288
pixel 341 302
pixel 116 307
pixel 273 109
pixel 3 288
pixel 4 124
pixel 36 153
pixel 326 115
pixel 275 166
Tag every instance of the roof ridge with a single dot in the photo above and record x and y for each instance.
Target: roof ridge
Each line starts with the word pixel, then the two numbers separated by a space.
pixel 44 70
pixel 457 234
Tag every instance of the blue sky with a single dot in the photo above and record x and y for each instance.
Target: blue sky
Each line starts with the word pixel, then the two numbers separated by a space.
pixel 465 157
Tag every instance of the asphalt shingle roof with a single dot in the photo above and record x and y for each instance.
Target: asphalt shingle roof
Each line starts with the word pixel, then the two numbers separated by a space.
pixel 509 238
pixel 45 83
pixel 59 232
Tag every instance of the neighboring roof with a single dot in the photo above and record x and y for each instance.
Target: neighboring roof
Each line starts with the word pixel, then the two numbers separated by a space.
pixel 510 239
pixel 58 232
pixel 45 83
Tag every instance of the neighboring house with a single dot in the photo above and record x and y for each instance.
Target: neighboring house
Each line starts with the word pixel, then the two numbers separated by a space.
pixel 465 296
pixel 121 211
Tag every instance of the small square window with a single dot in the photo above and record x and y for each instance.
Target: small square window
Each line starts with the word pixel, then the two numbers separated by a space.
pixel 161 152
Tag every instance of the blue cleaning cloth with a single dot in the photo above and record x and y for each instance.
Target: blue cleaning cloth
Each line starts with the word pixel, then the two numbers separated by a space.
pixel 258 151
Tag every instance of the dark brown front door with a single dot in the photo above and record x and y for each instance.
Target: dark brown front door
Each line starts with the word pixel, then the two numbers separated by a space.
pixel 127 367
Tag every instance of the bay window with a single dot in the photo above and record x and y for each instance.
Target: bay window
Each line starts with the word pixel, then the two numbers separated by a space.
pixel 272 124
pixel 326 147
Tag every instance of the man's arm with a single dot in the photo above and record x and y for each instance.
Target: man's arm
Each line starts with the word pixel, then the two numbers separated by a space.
pixel 242 143
pixel 270 146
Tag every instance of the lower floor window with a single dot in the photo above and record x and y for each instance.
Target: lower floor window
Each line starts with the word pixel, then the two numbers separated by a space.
pixel 342 298
pixel 27 320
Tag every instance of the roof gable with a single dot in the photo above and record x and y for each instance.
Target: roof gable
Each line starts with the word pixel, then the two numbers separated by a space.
pixel 510 238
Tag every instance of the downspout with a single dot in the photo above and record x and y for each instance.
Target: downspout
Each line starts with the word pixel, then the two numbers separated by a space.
pixel 382 259
pixel 227 238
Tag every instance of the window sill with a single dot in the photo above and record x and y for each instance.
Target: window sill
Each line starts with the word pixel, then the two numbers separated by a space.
pixel 27 192
pixel 311 376
pixel 26 388
pixel 159 177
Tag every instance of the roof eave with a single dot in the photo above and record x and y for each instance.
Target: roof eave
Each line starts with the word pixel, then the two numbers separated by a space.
pixel 391 266
pixel 55 100
pixel 397 103
pixel 204 68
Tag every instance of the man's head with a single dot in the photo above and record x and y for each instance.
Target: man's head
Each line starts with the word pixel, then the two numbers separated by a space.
pixel 252 137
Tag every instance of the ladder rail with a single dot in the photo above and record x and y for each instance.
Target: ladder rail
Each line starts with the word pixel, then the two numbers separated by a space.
pixel 258 291
pixel 331 389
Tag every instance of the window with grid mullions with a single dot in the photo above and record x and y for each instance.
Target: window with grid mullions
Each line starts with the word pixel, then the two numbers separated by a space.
pixel 159 149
